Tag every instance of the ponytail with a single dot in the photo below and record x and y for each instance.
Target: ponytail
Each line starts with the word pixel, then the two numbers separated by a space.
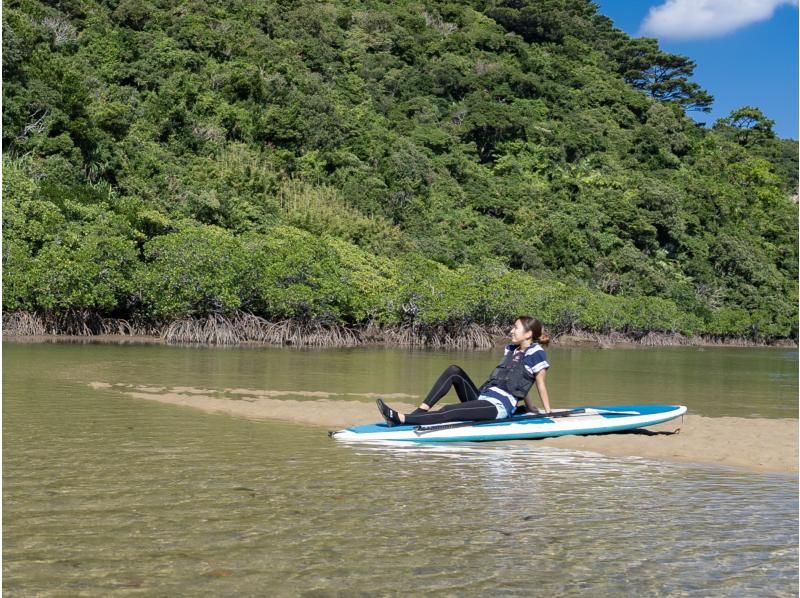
pixel 535 327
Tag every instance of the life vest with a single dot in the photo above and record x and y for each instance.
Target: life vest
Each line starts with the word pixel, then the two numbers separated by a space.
pixel 510 375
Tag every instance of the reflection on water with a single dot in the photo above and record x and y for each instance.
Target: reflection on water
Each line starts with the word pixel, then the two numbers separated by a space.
pixel 104 493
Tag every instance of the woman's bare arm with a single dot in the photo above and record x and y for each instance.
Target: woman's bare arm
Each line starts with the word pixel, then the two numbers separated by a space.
pixel 541 388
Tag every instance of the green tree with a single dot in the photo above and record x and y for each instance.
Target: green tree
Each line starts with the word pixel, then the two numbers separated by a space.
pixel 661 75
pixel 747 126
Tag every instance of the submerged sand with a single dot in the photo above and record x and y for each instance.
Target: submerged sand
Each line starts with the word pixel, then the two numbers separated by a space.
pixel 768 445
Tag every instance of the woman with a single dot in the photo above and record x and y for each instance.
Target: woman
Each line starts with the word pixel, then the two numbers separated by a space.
pixel 524 363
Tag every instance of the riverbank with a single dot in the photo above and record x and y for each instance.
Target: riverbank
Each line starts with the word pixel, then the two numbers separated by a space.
pixel 576 339
pixel 242 329
pixel 762 445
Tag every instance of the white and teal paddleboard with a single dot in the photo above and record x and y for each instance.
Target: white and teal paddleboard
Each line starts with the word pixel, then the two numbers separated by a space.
pixel 560 422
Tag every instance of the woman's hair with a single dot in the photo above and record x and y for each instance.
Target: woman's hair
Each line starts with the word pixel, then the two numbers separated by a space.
pixel 534 326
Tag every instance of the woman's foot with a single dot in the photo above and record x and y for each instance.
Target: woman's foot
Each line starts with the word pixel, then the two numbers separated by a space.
pixel 391 416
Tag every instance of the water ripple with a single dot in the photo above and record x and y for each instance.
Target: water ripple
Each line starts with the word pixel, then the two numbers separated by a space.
pixel 106 494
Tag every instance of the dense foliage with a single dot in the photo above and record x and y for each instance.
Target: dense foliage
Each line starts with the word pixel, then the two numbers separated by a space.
pixel 383 162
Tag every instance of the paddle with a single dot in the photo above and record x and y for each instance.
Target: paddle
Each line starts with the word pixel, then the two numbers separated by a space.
pixel 420 430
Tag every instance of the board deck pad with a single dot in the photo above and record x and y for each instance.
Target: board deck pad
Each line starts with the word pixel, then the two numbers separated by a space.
pixel 577 420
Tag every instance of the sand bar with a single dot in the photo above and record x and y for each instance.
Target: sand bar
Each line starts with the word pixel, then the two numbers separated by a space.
pixel 756 444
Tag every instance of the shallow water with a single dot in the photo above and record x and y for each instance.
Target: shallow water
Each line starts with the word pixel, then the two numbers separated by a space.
pixel 104 494
pixel 713 382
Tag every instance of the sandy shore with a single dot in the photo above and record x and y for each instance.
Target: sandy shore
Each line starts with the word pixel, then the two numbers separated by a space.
pixel 768 445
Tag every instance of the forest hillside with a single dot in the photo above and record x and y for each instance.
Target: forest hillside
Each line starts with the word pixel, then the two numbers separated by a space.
pixel 425 168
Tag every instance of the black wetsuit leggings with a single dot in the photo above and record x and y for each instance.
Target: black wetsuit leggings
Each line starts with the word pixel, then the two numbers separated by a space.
pixel 456 412
pixel 453 377
pixel 470 408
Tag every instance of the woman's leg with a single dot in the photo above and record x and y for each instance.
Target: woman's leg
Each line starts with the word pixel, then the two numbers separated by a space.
pixel 452 377
pixel 467 411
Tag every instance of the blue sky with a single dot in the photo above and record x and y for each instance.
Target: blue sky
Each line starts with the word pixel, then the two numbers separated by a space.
pixel 740 63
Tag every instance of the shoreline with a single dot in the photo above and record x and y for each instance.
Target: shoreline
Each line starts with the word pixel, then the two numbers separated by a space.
pixel 245 329
pixel 575 340
pixel 756 445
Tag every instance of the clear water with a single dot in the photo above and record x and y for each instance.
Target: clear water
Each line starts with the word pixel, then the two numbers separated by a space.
pixel 104 494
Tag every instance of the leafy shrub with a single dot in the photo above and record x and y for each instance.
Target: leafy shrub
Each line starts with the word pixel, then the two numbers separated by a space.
pixel 294 274
pixel 193 272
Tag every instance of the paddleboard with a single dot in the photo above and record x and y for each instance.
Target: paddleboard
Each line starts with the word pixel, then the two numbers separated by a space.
pixel 560 422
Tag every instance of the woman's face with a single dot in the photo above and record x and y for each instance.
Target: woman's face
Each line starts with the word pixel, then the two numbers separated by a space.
pixel 519 334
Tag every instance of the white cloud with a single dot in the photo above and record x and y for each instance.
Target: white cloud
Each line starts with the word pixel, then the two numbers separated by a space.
pixel 696 19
